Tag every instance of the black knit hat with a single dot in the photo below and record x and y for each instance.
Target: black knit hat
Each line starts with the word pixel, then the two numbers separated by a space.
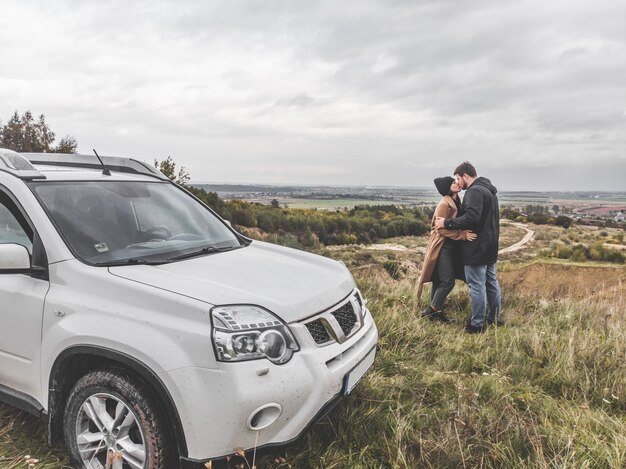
pixel 443 184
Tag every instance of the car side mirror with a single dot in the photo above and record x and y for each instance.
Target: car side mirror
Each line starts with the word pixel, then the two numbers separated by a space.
pixel 14 258
pixel 228 223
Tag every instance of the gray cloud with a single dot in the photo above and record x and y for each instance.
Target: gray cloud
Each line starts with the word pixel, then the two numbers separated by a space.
pixel 374 92
pixel 301 100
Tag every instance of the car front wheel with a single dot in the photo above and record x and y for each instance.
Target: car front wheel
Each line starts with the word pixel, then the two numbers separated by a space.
pixel 111 420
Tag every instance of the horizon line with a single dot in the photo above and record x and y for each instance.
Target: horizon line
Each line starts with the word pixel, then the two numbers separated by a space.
pixel 390 186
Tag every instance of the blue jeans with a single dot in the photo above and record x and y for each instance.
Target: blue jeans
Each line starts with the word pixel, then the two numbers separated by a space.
pixel 484 289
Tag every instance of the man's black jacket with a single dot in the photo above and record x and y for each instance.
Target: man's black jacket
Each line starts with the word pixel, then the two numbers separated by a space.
pixel 481 214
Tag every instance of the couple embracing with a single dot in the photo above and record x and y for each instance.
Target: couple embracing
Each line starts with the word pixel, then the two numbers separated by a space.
pixel 464 244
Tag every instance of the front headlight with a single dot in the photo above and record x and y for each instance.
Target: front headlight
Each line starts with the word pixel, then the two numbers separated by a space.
pixel 244 332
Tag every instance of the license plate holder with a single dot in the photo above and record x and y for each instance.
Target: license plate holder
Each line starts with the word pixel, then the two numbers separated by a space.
pixel 353 376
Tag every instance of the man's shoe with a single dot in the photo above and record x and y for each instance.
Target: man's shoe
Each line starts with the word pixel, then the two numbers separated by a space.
pixel 498 323
pixel 471 329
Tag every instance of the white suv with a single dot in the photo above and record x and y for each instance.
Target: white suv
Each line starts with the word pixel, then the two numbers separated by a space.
pixel 141 326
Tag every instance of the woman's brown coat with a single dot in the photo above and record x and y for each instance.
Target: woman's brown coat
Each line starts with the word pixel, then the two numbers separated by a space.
pixel 446 209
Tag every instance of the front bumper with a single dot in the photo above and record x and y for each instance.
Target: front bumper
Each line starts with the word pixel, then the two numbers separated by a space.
pixel 215 405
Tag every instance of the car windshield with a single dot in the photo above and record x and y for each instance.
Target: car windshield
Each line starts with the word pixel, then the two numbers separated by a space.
pixel 132 222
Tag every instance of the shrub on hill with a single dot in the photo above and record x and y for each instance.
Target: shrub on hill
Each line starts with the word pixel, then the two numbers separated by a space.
pixel 563 221
pixel 581 253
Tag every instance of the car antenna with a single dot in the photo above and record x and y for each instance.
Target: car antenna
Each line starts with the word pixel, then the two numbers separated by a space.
pixel 105 170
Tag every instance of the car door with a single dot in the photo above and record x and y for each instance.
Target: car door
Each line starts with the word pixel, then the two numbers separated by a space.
pixel 21 308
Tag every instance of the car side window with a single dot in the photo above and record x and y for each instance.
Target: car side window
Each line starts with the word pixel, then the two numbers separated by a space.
pixel 13 227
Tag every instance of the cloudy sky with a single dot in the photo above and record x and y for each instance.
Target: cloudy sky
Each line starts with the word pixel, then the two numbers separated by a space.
pixel 342 93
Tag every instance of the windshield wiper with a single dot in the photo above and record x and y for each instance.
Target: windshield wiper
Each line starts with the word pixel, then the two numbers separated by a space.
pixel 131 261
pixel 202 252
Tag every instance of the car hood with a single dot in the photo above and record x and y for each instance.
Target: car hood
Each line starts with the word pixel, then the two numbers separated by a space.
pixel 290 283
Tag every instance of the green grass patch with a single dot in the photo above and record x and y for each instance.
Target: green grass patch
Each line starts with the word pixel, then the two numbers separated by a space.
pixel 546 391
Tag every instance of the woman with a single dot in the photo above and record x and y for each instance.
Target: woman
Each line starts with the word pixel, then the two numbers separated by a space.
pixel 441 262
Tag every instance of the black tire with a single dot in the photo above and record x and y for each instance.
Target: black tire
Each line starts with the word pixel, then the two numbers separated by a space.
pixel 106 389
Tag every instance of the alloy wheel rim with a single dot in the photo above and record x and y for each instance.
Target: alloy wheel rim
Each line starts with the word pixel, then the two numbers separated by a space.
pixel 105 425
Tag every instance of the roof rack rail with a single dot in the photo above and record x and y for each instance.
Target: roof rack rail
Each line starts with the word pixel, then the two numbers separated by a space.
pixel 114 163
pixel 13 163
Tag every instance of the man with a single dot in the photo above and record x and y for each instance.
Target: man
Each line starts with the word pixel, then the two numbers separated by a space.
pixel 481 214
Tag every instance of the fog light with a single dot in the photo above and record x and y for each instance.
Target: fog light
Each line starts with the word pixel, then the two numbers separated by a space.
pixel 264 416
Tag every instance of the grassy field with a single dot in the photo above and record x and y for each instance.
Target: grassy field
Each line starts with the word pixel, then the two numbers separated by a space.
pixel 333 204
pixel 546 391
pixel 615 201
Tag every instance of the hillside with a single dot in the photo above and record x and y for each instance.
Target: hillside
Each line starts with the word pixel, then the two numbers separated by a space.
pixel 548 390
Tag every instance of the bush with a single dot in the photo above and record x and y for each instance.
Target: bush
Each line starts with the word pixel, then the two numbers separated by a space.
pixel 285 239
pixel 596 252
pixel 563 252
pixel 393 268
pixel 563 221
pixel 538 219
pixel 613 255
pixel 545 253
pixel 580 253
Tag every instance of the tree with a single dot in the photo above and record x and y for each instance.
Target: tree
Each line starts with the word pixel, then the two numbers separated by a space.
pixel 168 167
pixel 563 221
pixel 31 133
pixel 275 203
pixel 538 219
pixel 25 134
pixel 11 133
pixel 68 144
pixel 44 136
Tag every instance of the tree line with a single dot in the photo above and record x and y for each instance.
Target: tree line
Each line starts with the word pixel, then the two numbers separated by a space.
pixel 536 216
pixel 309 228
pixel 25 134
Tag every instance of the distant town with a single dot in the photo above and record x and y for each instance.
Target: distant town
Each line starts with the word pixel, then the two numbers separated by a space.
pixel 590 206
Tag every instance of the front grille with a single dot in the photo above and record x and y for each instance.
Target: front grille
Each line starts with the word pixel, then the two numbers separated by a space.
pixel 339 324
pixel 346 318
pixel 318 331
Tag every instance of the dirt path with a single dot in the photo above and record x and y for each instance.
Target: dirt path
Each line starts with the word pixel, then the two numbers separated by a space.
pixel 400 248
pixel 514 247
pixel 394 247
pixel 520 244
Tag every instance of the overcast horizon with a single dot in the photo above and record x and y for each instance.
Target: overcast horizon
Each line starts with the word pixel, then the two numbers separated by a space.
pixel 371 93
pixel 432 189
